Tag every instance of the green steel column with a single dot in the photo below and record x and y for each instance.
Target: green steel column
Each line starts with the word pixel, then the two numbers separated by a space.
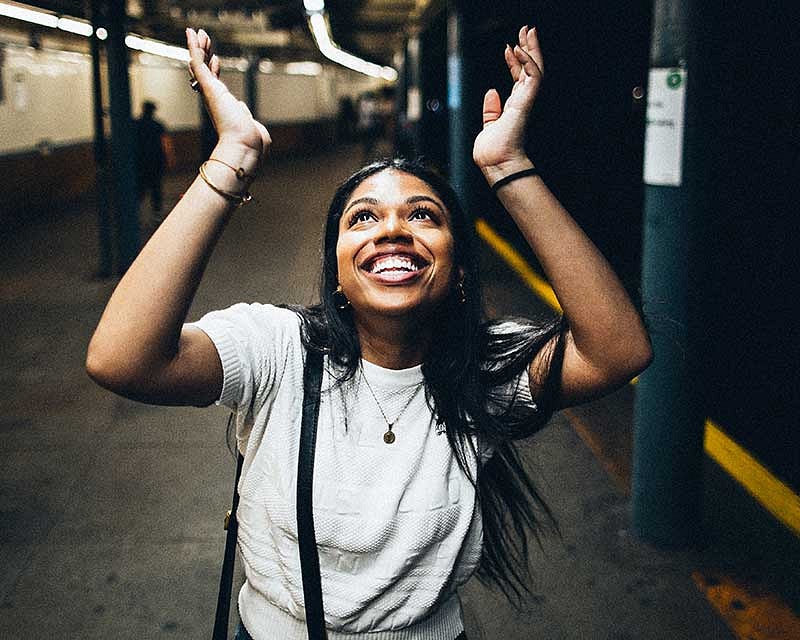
pixel 105 263
pixel 122 138
pixel 413 91
pixel 463 103
pixel 668 421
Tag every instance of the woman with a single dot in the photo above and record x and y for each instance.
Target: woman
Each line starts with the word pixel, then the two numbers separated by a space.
pixel 401 512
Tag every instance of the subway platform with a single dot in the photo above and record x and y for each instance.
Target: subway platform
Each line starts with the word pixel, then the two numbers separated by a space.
pixel 112 510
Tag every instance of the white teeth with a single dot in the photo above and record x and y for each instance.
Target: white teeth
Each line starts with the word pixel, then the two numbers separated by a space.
pixel 393 263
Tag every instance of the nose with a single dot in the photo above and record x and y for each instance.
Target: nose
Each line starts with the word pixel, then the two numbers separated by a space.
pixel 394 229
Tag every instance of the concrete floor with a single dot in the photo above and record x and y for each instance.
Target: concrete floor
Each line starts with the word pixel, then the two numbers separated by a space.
pixel 112 510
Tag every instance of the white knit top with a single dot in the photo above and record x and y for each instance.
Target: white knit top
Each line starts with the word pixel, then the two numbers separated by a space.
pixel 398 526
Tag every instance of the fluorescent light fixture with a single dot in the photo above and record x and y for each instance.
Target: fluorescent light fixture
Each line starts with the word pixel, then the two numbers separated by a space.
pixel 322 36
pixel 146 45
pixel 83 28
pixel 157 48
pixel 314 6
pixel 28 15
pixel 75 26
pixel 304 68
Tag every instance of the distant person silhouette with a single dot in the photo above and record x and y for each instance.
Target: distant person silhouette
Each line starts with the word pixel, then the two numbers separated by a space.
pixel 153 157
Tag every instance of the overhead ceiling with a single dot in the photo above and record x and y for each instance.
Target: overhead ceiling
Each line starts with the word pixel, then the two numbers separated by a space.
pixel 372 29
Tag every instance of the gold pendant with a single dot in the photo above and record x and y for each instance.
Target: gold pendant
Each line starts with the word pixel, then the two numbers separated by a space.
pixel 388 437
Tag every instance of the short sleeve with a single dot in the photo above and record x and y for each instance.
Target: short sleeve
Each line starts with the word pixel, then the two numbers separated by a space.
pixel 253 342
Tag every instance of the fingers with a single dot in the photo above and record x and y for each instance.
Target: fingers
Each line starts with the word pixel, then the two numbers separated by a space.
pixel 529 53
pixel 205 41
pixel 534 49
pixel 199 49
pixel 514 65
pixel 492 107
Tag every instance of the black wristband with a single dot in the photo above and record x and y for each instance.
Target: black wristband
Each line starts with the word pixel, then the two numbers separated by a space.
pixel 513 176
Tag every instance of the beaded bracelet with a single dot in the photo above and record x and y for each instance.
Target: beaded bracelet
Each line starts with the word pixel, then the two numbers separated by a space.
pixel 238 198
pixel 514 176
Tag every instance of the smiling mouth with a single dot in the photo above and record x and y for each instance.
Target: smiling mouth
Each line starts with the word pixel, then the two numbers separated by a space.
pixel 389 265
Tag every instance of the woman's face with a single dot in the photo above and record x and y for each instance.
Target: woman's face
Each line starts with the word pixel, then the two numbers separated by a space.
pixel 395 247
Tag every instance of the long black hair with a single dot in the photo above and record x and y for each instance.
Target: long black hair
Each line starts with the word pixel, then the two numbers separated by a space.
pixel 470 375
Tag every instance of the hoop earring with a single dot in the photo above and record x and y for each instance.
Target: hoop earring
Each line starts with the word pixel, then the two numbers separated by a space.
pixel 461 292
pixel 340 300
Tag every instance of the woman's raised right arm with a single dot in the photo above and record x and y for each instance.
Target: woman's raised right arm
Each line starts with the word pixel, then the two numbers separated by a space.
pixel 140 348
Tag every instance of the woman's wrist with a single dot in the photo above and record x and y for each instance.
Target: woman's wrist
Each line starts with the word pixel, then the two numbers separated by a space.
pixel 229 171
pixel 218 180
pixel 241 160
pixel 498 171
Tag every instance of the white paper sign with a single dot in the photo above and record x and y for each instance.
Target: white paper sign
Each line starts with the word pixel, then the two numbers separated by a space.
pixel 663 139
pixel 413 104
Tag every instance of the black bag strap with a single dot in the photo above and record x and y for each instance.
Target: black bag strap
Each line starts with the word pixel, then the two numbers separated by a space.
pixel 226 577
pixel 309 558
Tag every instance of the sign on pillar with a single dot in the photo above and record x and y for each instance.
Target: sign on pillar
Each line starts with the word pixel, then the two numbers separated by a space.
pixel 663 139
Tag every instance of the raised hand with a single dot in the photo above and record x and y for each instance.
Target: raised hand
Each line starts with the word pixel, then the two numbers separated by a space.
pixel 499 147
pixel 232 119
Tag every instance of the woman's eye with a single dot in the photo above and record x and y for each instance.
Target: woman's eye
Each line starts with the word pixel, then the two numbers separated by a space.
pixel 421 214
pixel 361 216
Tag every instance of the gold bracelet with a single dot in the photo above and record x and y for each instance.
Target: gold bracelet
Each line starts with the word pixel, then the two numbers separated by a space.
pixel 240 174
pixel 238 198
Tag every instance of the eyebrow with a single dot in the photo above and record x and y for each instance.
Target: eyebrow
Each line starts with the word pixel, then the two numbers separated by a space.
pixel 411 200
pixel 414 199
pixel 359 201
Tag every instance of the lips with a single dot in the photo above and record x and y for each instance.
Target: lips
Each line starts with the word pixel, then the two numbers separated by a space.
pixel 394 267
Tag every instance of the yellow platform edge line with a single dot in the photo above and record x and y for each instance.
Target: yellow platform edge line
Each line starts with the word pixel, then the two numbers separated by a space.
pixel 515 260
pixel 775 496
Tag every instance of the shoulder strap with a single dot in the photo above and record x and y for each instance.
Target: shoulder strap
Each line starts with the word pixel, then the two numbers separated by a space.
pixel 309 558
pixel 226 578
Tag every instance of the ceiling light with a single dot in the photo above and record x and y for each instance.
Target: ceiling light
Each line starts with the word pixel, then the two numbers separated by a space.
pixel 28 15
pixel 157 48
pixel 75 26
pixel 322 36
pixel 314 6
pixel 303 68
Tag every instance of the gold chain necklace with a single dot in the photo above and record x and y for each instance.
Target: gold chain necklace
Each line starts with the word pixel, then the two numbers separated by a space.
pixel 389 436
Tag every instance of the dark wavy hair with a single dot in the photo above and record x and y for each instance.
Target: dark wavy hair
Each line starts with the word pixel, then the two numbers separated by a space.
pixel 470 373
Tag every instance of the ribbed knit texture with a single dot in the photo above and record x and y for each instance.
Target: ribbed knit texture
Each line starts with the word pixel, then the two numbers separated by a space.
pixel 398 526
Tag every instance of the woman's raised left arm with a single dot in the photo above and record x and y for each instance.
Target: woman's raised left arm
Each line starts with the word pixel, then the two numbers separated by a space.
pixel 606 342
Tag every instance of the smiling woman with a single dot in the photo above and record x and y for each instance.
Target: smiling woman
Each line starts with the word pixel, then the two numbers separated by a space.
pixel 395 260
pixel 403 516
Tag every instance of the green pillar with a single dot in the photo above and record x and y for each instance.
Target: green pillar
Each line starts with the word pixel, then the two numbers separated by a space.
pixel 123 139
pixel 411 100
pixel 464 104
pixel 105 264
pixel 668 419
